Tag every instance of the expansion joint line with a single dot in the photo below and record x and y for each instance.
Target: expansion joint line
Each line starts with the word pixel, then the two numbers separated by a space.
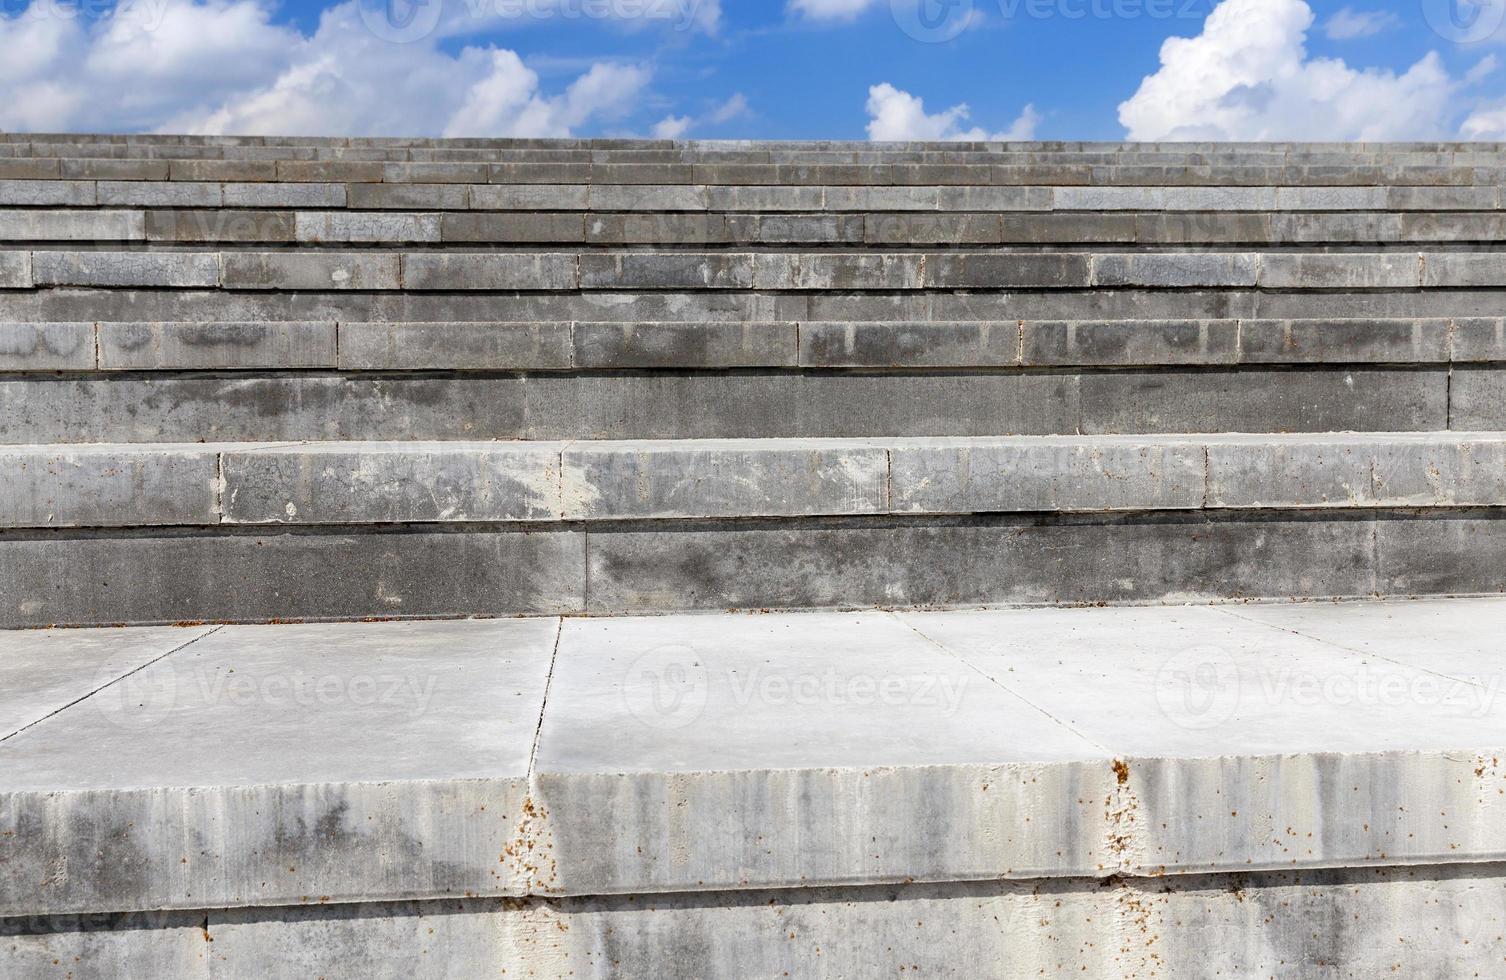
pixel 111 683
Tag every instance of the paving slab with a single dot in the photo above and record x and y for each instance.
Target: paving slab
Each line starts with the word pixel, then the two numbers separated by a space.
pixel 282 765
pixel 45 671
pixel 1260 748
pixel 687 753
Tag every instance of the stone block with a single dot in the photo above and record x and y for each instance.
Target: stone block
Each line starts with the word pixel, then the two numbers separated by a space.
pixel 122 269
pixel 1361 399
pixel 1479 339
pixel 43 226
pixel 909 344
pixel 278 195
pixel 814 271
pixel 491 271
pixel 1007 270
pixel 1321 471
pixel 1123 343
pixel 366 227
pixel 260 408
pixel 228 225
pixel 1347 341
pixel 1340 271
pixel 531 197
pixel 288 574
pixel 508 228
pixel 248 171
pixel 46 346
pixel 104 486
pixel 685 346
pixel 393 483
pixel 15 270
pixel 45 193
pixel 1176 270
pixel 108 169
pixel 1477 398
pixel 216 345
pixel 666 270
pixel 311 270
pixel 756 199
pixel 159 194
pixel 989 476
pixel 409 197
pixel 455 346
pixel 768 478
pixel 1452 270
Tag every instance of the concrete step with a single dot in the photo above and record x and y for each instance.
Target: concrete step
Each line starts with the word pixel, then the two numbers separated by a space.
pixel 593 346
pixel 356 185
pixel 278 406
pixel 194 305
pixel 99 486
pixel 731 168
pixel 591 271
pixel 1083 773
pixel 411 218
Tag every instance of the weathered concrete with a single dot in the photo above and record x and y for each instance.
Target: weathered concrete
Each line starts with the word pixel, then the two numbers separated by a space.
pixel 1213 740
pixel 46 346
pixel 1426 921
pixel 100 486
pixel 238 346
pixel 239 812
pixel 47 670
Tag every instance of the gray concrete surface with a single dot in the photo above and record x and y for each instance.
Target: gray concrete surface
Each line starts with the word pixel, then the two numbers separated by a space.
pixel 281 765
pixel 1031 743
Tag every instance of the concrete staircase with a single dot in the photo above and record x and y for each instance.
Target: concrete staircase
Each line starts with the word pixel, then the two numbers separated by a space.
pixel 251 381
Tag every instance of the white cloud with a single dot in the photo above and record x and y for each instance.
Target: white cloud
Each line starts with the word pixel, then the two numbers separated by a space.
pixel 734 108
pixel 898 115
pixel 1248 77
pixel 831 9
pixel 1485 124
pixel 671 127
pixel 1349 24
pixel 221 66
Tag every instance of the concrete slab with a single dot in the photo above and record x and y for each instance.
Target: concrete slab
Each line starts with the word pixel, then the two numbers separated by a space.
pixel 685 753
pixel 282 765
pixel 44 671
pixel 1258 748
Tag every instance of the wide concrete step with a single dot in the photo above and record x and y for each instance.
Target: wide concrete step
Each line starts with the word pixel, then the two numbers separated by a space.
pixel 408 219
pixel 362 185
pixel 946 168
pixel 169 768
pixel 277 406
pixel 497 482
pixel 111 346
pixel 566 271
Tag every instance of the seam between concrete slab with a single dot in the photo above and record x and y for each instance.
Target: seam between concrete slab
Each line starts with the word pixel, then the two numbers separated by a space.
pixel 135 670
pixel 995 681
pixel 538 731
pixel 1352 650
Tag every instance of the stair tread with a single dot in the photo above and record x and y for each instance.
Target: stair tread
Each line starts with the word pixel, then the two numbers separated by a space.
pixel 1082 743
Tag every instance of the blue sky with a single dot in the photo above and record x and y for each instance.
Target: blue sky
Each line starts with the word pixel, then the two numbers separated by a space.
pixel 1049 69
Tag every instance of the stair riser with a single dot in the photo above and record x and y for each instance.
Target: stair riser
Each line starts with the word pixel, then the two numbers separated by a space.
pixel 753 404
pixel 102 578
pixel 1373 921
